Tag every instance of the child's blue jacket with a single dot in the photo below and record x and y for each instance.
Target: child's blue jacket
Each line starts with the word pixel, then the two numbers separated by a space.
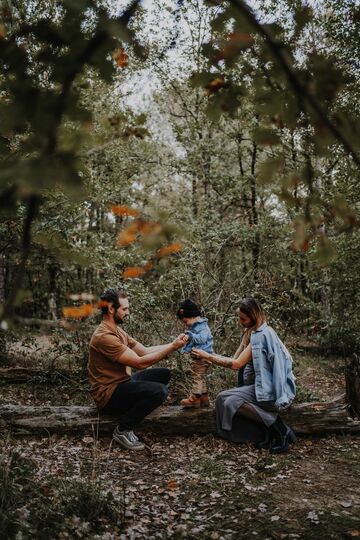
pixel 200 337
pixel 274 379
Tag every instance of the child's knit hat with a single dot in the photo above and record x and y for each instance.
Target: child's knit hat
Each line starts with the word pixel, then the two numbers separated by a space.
pixel 188 308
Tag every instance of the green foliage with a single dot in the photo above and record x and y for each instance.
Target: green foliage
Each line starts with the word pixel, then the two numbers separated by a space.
pixel 243 160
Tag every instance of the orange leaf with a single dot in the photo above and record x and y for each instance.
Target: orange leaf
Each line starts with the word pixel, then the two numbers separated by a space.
pixel 215 85
pixel 2 31
pixel 121 58
pixel 124 211
pixel 147 227
pixel 78 312
pixel 149 266
pixel 241 38
pixel 126 238
pixel 172 484
pixel 305 246
pixel 168 250
pixel 133 272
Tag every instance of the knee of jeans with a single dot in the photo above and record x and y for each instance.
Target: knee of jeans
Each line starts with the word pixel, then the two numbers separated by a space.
pixel 167 375
pixel 162 393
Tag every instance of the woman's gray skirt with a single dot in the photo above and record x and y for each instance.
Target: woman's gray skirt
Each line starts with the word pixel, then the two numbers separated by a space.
pixel 237 428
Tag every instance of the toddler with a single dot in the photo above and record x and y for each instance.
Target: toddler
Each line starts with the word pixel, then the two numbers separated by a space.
pixel 200 336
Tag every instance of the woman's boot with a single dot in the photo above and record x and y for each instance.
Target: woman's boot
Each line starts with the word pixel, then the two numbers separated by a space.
pixel 266 442
pixel 283 435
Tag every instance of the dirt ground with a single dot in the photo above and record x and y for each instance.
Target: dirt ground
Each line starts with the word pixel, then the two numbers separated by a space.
pixel 203 487
pixel 192 487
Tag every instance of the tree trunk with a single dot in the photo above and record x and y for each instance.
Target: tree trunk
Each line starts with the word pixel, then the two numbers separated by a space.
pixel 306 418
pixel 254 213
pixel 2 278
pixel 352 378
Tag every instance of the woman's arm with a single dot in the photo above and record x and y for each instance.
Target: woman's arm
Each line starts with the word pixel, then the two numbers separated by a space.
pixel 232 363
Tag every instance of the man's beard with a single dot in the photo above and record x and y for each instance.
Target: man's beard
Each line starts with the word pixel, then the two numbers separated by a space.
pixel 117 319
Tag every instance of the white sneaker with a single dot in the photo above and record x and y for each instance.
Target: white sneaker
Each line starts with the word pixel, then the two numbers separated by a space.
pixel 128 439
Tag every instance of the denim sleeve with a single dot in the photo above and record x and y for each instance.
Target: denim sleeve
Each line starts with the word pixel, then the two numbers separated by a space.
pixel 278 361
pixel 200 338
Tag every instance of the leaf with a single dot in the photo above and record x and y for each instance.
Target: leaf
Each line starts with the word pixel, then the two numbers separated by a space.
pixel 172 484
pixel 2 31
pixel 214 85
pixel 346 504
pixel 126 237
pixel 149 266
pixel 121 58
pixel 78 312
pixel 266 136
pixel 22 295
pixel 133 272
pixel 168 250
pixel 326 252
pixel 124 211
pixel 268 169
pixel 302 17
pixel 236 42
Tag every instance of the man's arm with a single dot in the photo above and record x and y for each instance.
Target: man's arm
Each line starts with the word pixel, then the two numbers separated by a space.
pixel 134 358
pixel 141 350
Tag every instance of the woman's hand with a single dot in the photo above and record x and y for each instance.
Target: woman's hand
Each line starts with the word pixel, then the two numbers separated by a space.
pixel 201 355
pixel 212 358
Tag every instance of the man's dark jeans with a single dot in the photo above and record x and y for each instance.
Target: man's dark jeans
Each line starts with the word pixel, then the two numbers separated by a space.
pixel 132 400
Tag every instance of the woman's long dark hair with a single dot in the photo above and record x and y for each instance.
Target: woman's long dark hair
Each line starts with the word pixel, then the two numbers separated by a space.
pixel 252 309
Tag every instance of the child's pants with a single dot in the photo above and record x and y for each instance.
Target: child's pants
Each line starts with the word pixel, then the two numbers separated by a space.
pixel 198 374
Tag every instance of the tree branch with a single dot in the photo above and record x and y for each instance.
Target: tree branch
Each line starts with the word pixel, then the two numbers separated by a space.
pixel 299 88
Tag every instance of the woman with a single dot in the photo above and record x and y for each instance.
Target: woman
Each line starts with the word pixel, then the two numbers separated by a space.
pixel 266 384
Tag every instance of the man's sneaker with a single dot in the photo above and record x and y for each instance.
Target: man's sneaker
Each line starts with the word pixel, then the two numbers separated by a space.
pixel 128 439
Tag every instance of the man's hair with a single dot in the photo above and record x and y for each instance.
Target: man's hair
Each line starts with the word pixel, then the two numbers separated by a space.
pixel 111 296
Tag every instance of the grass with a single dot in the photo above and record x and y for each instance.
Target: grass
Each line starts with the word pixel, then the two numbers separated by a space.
pixel 42 508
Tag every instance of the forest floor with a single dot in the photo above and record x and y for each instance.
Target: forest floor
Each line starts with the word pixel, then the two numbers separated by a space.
pixel 178 487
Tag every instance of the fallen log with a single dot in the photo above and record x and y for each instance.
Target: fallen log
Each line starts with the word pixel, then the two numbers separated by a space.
pixel 18 374
pixel 305 418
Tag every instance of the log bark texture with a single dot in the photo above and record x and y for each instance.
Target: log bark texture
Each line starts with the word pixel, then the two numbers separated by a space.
pixel 306 418
pixel 18 374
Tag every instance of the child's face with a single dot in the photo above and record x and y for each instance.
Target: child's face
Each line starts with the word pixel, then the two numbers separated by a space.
pixel 187 321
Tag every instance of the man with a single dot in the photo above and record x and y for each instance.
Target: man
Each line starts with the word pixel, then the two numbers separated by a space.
pixel 112 355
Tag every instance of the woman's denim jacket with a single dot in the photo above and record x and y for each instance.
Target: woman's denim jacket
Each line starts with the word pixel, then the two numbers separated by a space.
pixel 274 379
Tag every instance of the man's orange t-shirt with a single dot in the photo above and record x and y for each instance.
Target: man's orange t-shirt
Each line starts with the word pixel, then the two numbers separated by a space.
pixel 104 367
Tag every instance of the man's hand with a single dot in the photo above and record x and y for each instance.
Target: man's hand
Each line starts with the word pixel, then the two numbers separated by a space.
pixel 201 355
pixel 180 341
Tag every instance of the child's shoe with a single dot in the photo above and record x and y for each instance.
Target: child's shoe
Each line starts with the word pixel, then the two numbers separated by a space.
pixel 192 402
pixel 204 400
